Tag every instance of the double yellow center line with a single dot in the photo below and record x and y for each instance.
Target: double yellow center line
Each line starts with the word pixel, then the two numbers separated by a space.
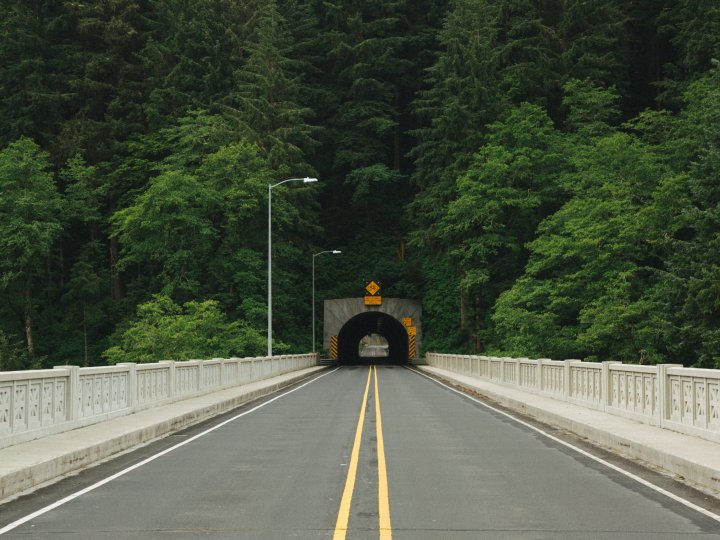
pixel 384 525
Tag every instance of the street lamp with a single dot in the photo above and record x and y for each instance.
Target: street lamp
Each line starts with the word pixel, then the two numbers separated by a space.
pixel 305 180
pixel 334 252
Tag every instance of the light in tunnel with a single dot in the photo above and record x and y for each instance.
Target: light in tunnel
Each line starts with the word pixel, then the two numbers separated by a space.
pixel 373 346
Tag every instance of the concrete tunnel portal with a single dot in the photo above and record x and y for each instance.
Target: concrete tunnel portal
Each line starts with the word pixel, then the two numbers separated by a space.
pixel 347 321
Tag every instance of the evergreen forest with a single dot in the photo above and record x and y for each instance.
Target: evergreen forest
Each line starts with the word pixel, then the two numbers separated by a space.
pixel 543 174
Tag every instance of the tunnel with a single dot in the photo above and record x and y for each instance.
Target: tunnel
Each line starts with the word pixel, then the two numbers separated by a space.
pixel 372 322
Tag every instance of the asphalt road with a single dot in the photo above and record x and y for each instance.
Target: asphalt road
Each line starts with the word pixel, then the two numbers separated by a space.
pixel 307 464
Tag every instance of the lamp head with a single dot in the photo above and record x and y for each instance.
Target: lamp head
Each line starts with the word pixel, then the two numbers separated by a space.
pixel 307 180
pixel 335 251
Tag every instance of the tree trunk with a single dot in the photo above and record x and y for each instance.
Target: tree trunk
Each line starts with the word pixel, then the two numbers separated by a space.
pixel 85 336
pixel 62 266
pixel 396 149
pixel 463 307
pixel 476 330
pixel 27 320
pixel 115 287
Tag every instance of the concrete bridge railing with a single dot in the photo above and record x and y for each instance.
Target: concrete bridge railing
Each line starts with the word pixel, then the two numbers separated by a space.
pixel 37 403
pixel 686 400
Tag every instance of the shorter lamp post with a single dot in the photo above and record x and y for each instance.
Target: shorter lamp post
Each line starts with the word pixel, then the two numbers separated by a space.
pixel 305 180
pixel 334 252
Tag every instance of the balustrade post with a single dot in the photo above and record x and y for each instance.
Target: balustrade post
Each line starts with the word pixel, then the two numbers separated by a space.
pixel 132 383
pixel 664 400
pixel 539 374
pixel 201 377
pixel 171 377
pixel 566 381
pixel 72 392
pixel 222 381
pixel 605 394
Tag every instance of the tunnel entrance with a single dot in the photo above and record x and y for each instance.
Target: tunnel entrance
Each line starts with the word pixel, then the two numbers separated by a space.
pixel 346 321
pixel 373 323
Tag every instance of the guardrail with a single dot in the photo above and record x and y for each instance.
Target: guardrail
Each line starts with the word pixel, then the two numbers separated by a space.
pixel 37 403
pixel 669 396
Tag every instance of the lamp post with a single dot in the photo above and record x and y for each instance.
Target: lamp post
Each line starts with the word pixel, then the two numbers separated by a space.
pixel 334 252
pixel 305 180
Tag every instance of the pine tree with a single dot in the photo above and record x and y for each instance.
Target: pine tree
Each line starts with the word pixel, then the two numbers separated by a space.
pixel 596 42
pixel 37 54
pixel 363 64
pixel 266 96
pixel 463 97
pixel 108 89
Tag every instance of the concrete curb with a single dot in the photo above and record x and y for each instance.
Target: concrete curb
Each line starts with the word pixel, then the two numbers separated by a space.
pixel 693 460
pixel 28 466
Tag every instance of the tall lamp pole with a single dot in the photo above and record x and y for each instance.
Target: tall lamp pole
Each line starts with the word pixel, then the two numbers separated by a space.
pixel 334 252
pixel 269 286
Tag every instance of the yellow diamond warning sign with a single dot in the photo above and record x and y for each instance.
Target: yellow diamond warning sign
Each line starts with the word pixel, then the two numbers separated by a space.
pixel 372 288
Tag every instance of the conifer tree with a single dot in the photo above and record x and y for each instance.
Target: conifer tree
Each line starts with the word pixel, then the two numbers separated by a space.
pixel 108 86
pixel 596 42
pixel 37 54
pixel 266 95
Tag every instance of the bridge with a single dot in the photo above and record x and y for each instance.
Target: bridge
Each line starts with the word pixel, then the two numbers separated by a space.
pixel 280 447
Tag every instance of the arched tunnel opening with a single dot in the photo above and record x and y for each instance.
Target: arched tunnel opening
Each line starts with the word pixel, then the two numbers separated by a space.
pixel 368 323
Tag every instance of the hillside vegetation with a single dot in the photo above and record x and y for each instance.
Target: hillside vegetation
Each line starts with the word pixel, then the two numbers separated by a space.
pixel 543 174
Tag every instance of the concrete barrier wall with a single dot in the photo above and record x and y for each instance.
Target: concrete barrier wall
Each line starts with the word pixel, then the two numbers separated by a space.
pixel 686 400
pixel 37 403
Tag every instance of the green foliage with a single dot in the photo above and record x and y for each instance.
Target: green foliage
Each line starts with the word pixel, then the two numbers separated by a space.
pixel 490 157
pixel 592 110
pixel 13 354
pixel 31 208
pixel 267 93
pixel 511 183
pixel 583 292
pixel 689 291
pixel 595 37
pixel 364 60
pixel 441 307
pixel 37 69
pixel 169 225
pixel 462 98
pixel 196 330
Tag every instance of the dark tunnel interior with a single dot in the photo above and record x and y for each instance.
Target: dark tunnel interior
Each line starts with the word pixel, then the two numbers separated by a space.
pixel 372 322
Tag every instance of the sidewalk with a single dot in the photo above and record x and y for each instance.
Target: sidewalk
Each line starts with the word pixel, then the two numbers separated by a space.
pixel 30 465
pixel 697 461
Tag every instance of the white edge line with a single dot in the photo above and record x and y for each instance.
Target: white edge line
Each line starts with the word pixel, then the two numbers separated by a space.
pixel 620 470
pixel 117 475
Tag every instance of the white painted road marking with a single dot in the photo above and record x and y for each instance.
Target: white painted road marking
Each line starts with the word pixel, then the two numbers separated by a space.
pixel 615 468
pixel 61 502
